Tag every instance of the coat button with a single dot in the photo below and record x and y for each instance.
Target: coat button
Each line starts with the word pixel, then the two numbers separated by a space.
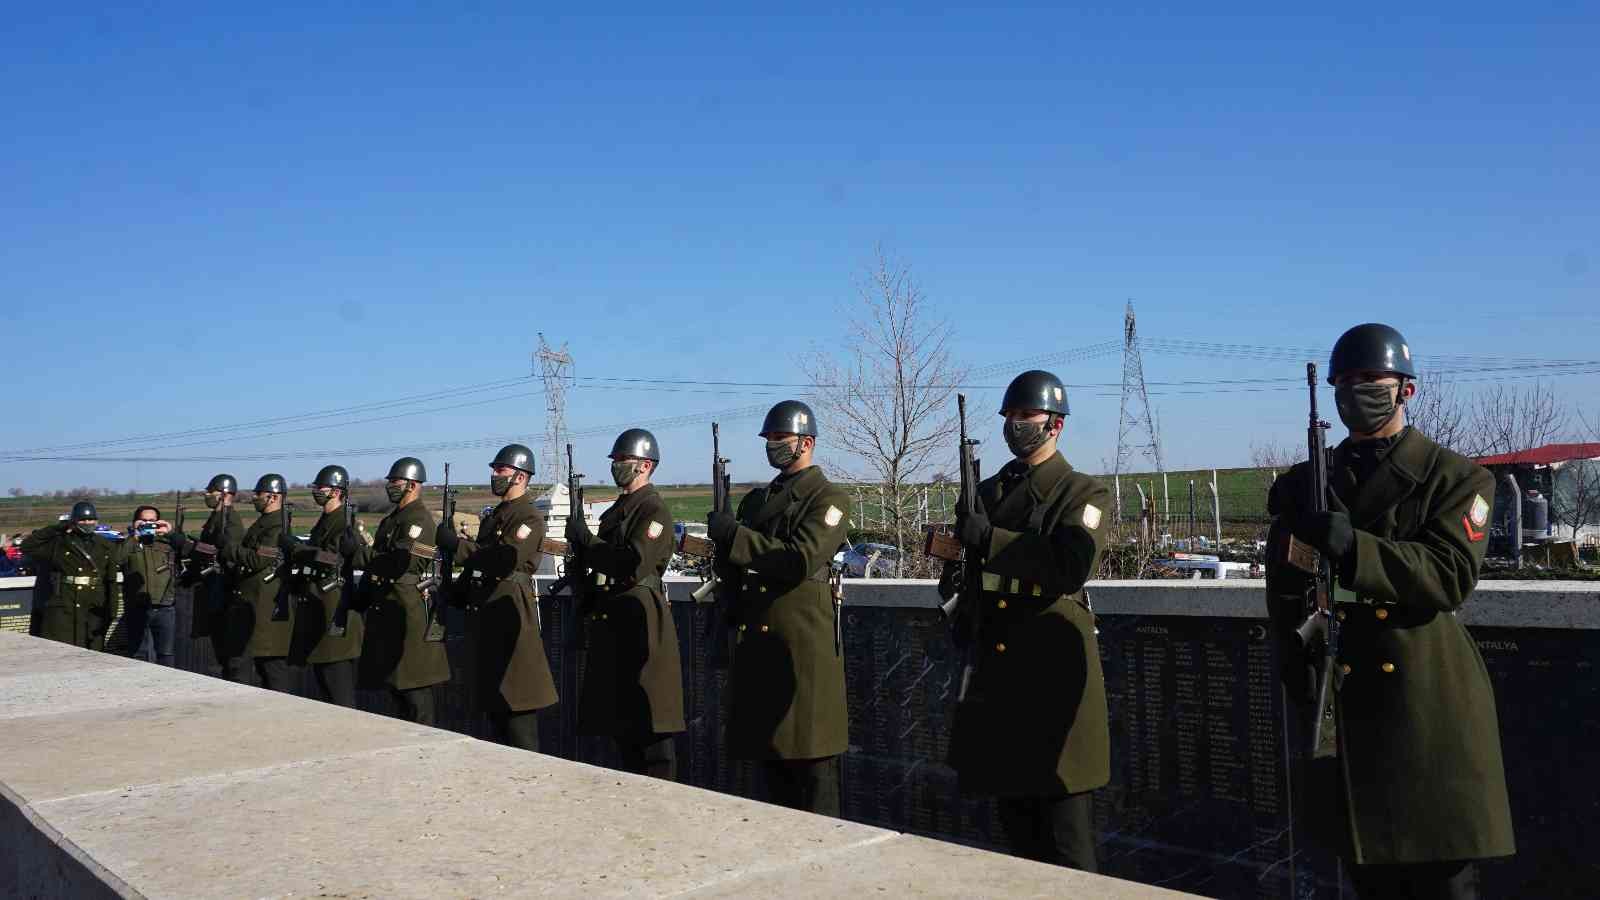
pixel 1345 668
pixel 762 589
pixel 1001 604
pixel 1381 613
pixel 1387 667
pixel 999 648
pixel 765 629
pixel 741 627
pixel 1341 615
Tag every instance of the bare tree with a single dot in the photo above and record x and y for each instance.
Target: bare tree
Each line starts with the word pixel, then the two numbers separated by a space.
pixel 1270 454
pixel 1575 500
pixel 1440 411
pixel 889 395
pixel 1505 420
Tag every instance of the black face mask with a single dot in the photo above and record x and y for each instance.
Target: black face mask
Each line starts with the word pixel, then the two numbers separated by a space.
pixel 1365 407
pixel 499 484
pixel 782 454
pixel 321 498
pixel 1025 437
pixel 396 492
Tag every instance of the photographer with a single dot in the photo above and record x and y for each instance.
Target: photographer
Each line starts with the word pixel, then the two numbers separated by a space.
pixel 148 564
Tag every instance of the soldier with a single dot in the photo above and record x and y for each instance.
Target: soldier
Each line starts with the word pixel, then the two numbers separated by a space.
pixel 633 682
pixel 327 632
pixel 83 567
pixel 396 650
pixel 786 687
pixel 260 616
pixel 205 572
pixel 1032 729
pixel 513 676
pixel 148 562
pixel 1417 790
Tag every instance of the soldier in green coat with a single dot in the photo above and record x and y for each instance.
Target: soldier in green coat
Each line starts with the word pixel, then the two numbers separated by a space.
pixel 148 562
pixel 396 650
pixel 83 568
pixel 633 680
pixel 513 675
pixel 259 611
pixel 327 632
pixel 786 687
pixel 205 573
pixel 1032 728
pixel 1417 790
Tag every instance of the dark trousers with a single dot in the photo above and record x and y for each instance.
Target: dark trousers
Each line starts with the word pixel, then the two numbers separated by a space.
pixel 337 681
pixel 416 705
pixel 152 633
pixel 1057 830
pixel 516 729
pixel 811 785
pixel 275 674
pixel 656 756
pixel 1417 881
pixel 233 667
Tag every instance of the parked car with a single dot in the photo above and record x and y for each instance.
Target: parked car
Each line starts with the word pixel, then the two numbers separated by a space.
pixel 868 560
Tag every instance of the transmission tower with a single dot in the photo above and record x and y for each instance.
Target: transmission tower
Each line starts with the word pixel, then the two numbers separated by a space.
pixel 555 367
pixel 1134 395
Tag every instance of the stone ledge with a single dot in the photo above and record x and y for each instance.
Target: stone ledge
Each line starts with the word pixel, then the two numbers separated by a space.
pixel 125 779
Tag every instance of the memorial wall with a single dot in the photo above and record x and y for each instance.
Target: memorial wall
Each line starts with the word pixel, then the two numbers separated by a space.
pixel 1203 749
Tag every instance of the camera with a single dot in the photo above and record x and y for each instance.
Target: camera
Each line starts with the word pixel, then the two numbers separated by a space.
pixel 144 530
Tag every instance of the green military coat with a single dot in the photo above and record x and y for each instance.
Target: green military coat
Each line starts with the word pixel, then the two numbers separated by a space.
pixel 513 674
pixel 260 583
pixel 83 572
pixel 1418 738
pixel 319 584
pixel 1034 720
pixel 787 698
pixel 395 650
pixel 210 579
pixel 632 680
pixel 149 572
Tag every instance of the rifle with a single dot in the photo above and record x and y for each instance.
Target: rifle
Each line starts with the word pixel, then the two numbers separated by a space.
pixel 1321 632
pixel 574 576
pixel 942 543
pixel 721 618
pixel 444 572
pixel 340 623
pixel 280 603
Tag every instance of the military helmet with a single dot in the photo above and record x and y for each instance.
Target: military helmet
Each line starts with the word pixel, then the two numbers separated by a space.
pixel 408 467
pixel 1036 389
pixel 81 510
pixel 790 417
pixel 636 442
pixel 271 483
pixel 516 456
pixel 224 483
pixel 1371 347
pixel 333 477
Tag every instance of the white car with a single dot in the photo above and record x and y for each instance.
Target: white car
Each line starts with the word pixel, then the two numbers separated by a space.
pixel 868 560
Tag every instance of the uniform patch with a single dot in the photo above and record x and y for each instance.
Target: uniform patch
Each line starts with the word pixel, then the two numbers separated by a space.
pixel 1091 516
pixel 834 516
pixel 1480 510
pixel 523 531
pixel 414 531
pixel 654 531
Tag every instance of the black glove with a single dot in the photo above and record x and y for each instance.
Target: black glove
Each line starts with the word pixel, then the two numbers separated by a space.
pixel 577 531
pixel 1329 532
pixel 974 529
pixel 349 543
pixel 950 580
pixel 445 538
pixel 288 545
pixel 721 526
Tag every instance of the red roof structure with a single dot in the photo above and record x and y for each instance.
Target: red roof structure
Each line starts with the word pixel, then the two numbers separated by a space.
pixel 1543 456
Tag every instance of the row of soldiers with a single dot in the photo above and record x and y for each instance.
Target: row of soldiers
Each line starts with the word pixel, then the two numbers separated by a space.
pixel 1414 795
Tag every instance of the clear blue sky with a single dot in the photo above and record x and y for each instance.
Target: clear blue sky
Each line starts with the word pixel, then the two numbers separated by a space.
pixel 216 216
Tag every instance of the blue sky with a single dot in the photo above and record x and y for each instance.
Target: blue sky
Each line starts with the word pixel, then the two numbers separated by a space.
pixel 219 216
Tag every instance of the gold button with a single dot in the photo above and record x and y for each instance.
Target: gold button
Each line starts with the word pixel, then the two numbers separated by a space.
pixel 741 627
pixel 999 648
pixel 1388 667
pixel 765 629
pixel 1345 668
pixel 762 589
pixel 1341 615
pixel 1001 604
pixel 1381 613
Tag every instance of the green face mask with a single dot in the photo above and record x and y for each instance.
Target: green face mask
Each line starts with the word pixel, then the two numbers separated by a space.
pixel 83 528
pixel 781 454
pixel 260 503
pixel 321 497
pixel 499 484
pixel 395 492
pixel 1364 407
pixel 624 471
pixel 213 501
